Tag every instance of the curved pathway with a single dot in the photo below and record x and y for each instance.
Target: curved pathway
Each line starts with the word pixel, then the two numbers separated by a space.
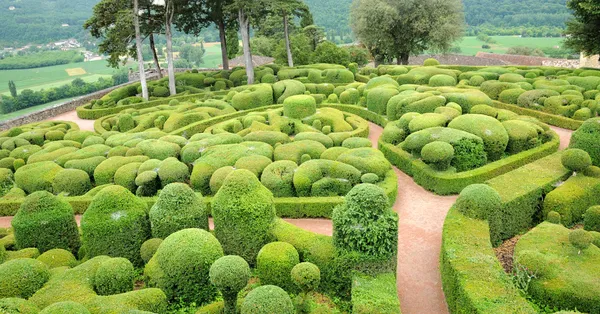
pixel 421 218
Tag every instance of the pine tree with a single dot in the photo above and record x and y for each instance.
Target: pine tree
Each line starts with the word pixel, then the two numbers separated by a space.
pixel 13 88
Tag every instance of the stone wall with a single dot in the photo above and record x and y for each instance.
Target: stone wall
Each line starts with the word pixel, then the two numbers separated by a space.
pixel 530 60
pixel 589 62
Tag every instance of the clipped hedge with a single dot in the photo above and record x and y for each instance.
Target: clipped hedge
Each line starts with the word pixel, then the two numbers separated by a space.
pixel 555 120
pixel 375 294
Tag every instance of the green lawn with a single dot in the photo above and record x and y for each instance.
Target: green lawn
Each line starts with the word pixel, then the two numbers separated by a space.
pixel 470 45
pixel 212 56
pixel 53 76
pixel 12 115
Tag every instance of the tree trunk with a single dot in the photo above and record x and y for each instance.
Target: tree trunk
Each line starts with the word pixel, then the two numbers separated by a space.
pixel 245 30
pixel 286 33
pixel 404 58
pixel 138 44
pixel 155 56
pixel 169 35
pixel 223 39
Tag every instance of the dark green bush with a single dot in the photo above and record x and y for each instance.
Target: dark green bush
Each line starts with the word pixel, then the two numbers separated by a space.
pixel 267 300
pixel 493 133
pixel 477 201
pixel 149 248
pixel 115 224
pixel 71 182
pixel 243 213
pixel 592 219
pixel 438 154
pixel 230 274
pixel 58 258
pixel 366 205
pixel 586 138
pixel 46 222
pixel 576 159
pixel 65 307
pixel 184 260
pixel 22 277
pixel 177 208
pixel 306 276
pixel 274 264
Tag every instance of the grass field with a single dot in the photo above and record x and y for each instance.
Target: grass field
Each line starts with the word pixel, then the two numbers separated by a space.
pixel 470 45
pixel 53 76
pixel 212 55
pixel 14 114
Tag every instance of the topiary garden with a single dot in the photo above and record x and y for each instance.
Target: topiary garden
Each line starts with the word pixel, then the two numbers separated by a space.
pixel 296 145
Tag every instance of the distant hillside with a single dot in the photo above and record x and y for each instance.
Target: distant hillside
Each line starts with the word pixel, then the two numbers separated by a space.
pixel 333 15
pixel 41 21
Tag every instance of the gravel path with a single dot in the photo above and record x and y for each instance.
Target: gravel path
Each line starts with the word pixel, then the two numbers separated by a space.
pixel 84 125
pixel 421 218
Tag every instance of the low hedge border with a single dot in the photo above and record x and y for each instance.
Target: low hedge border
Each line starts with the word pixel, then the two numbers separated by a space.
pixel 445 184
pixel 375 294
pixel 472 277
pixel 522 192
pixel 362 112
pixel 72 126
pixel 555 120
pixel 85 112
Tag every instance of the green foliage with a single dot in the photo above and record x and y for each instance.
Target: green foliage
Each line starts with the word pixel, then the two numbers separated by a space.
pixel 374 294
pixel 183 260
pixel 46 222
pixel 592 219
pixel 253 97
pixel 493 133
pixel 37 177
pixel 230 274
pixel 366 205
pixel 586 138
pixel 576 159
pixel 573 198
pixel 325 178
pixel 328 52
pixel 580 239
pixel 274 264
pixel 65 307
pixel 477 201
pixel 438 154
pixel 18 305
pixel 71 182
pixel 243 214
pixel 149 248
pixel 58 258
pixel 114 276
pixel 22 277
pixel 442 80
pixel 267 299
pixel 115 224
pixel 299 107
pixel 306 276
pixel 278 178
pixel 177 208
pixel 579 29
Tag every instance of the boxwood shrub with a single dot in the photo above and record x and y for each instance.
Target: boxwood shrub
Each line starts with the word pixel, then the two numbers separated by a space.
pixel 177 207
pixel 114 276
pixel 274 264
pixel 266 300
pixel 22 277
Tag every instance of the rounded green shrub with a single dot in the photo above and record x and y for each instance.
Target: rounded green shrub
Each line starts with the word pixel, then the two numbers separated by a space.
pixel 580 239
pixel 438 154
pixel 366 160
pixel 218 177
pixel 494 135
pixel 65 307
pixel 149 248
pixel 586 138
pixel 591 219
pixel 326 177
pixel 274 264
pixel 45 222
pixel 278 178
pixel 553 217
pixel 22 277
pixel 356 142
pixel 477 201
pixel 243 212
pixel 230 274
pixel 58 258
pixel 185 258
pixel 299 106
pixel 313 136
pixel 484 110
pixel 114 276
pixel 178 207
pixel 576 159
pixel 71 182
pixel 367 206
pixel 442 80
pixel 255 163
pixel 18 305
pixel 160 91
pixel 430 62
pixel 306 276
pixel 172 170
pixel 476 80
pixel 427 120
pixel 115 224
pixel 267 300
pixel 38 176
pixel 369 178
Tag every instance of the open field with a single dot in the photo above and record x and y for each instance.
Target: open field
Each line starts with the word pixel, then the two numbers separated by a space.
pixel 212 55
pixel 470 45
pixel 14 114
pixel 53 76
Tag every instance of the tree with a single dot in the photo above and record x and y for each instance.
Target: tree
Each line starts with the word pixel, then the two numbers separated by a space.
pixel 285 9
pixel 138 44
pixel 13 88
pixel 169 13
pixel 232 44
pixel 315 34
pixel 328 52
pixel 192 54
pixel 525 51
pixel 582 31
pixel 300 46
pixel 397 29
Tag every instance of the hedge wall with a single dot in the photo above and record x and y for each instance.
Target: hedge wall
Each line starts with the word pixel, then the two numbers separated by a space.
pixel 375 294
pixel 473 279
pixel 445 184
pixel 555 120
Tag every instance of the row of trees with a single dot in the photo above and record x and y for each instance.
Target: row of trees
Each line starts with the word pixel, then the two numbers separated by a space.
pixel 40 59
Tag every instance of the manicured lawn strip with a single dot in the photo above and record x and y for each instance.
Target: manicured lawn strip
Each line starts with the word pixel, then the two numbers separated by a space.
pixel 473 279
pixel 559 121
pixel 522 191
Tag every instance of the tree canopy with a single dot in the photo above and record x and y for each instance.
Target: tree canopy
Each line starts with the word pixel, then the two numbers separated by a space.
pixel 582 30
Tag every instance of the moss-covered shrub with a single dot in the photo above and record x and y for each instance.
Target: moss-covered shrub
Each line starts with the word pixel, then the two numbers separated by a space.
pixel 278 178
pixel 243 213
pixel 442 80
pixel 477 201
pixel 576 159
pixel 580 239
pixel 37 177
pixel 230 274
pixel 177 208
pixel 299 106
pixel 65 307
pixel 306 276
pixel 366 205
pixel 430 62
pixel 274 264
pixel 325 178
pixel 149 248
pixel 18 305
pixel 114 276
pixel 586 138
pixel 115 224
pixel 184 259
pixel 58 258
pixel 493 133
pixel 45 222
pixel 438 154
pixel 71 182
pixel 267 300
pixel 22 277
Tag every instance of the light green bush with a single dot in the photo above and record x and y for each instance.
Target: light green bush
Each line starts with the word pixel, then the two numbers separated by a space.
pixel 22 277
pixel 71 182
pixel 58 258
pixel 438 154
pixel 177 208
pixel 37 177
pixel 576 159
pixel 306 276
pixel 477 201
pixel 266 300
pixel 274 264
pixel 114 276
pixel 230 274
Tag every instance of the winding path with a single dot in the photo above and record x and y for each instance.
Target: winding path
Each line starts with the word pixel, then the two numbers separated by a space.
pixel 421 218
